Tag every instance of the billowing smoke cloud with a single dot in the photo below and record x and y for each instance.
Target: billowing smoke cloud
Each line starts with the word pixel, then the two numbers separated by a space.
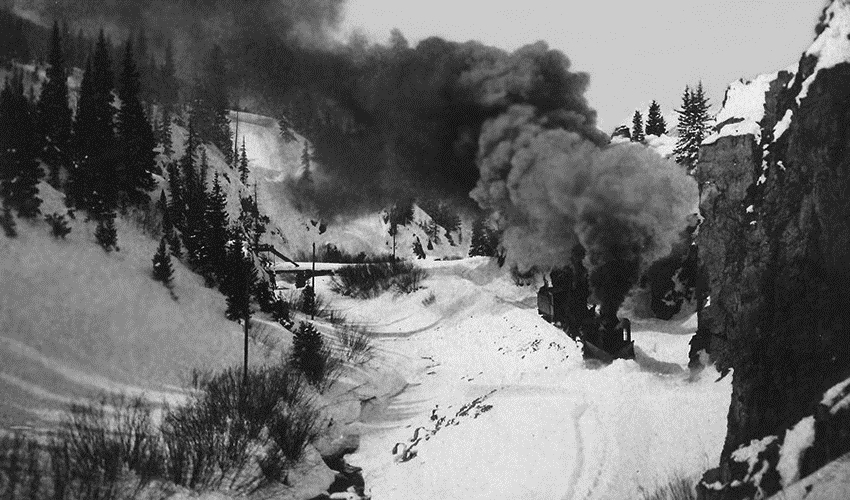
pixel 390 123
pixel 553 188
pixel 407 124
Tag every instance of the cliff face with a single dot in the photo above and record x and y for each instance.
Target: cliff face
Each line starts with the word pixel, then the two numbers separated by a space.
pixel 775 242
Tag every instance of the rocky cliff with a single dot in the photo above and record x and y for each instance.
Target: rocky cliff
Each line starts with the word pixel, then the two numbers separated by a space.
pixel 775 243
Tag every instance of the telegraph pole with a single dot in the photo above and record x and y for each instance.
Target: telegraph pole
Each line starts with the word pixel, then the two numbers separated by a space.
pixel 313 309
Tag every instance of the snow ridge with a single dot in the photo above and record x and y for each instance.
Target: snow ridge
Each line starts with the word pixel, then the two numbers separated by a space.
pixel 832 45
pixel 743 109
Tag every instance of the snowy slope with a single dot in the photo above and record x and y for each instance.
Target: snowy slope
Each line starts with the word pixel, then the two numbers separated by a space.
pixel 75 321
pixel 743 109
pixel 523 416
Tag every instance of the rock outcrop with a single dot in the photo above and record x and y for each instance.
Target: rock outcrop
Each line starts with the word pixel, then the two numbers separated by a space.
pixel 775 243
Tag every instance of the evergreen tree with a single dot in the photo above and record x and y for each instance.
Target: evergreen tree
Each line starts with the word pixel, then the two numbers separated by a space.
pixel 195 225
pixel 308 300
pixel 210 105
pixel 240 279
pixel 637 127
pixel 485 240
pixel 217 222
pixel 243 164
pixel 306 175
pixel 693 126
pixel 168 226
pixel 307 347
pixel 252 221
pixel 177 204
pixel 105 233
pixel 58 225
pixel 7 222
pixel 135 140
pixel 93 184
pixel 401 214
pixel 655 124
pixel 418 250
pixel 162 270
pixel 19 169
pixel 165 132
pixel 54 113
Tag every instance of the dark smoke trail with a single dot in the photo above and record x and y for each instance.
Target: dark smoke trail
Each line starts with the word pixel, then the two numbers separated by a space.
pixel 553 188
pixel 391 123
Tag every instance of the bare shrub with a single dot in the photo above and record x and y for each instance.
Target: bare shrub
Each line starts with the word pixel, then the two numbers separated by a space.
pixel 678 487
pixel 355 343
pixel 370 280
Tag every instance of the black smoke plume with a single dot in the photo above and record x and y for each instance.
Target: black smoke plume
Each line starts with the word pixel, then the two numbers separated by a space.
pixel 391 122
pixel 555 187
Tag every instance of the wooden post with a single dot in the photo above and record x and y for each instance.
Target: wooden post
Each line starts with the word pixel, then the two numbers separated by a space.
pixel 313 309
pixel 245 360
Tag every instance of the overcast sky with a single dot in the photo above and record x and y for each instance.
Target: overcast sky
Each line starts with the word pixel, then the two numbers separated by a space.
pixel 635 51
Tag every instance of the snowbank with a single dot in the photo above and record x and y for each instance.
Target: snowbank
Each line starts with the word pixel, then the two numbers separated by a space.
pixel 75 320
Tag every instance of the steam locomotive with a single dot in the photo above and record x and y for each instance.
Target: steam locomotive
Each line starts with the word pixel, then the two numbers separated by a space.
pixel 603 337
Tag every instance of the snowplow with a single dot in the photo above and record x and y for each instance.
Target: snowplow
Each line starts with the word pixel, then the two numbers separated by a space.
pixel 602 338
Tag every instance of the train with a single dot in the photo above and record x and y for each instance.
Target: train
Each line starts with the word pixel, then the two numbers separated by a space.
pixel 602 338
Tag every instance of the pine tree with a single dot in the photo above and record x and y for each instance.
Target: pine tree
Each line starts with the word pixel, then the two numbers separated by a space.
pixel 54 113
pixel 177 204
pixel 195 224
pixel 165 132
pixel 135 140
pixel 252 221
pixel 655 124
pixel 162 270
pixel 243 164
pixel 93 184
pixel 485 240
pixel 105 233
pixel 308 300
pixel 58 225
pixel 307 347
pixel 217 222
pixel 637 127
pixel 692 127
pixel 240 279
pixel 19 169
pixel 210 105
pixel 168 231
pixel 7 222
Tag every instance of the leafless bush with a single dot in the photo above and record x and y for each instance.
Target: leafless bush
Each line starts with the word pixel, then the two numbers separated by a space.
pixel 355 343
pixel 370 280
pixel 678 487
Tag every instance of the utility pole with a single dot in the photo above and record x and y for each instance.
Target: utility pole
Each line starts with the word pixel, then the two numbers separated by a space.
pixel 236 140
pixel 313 309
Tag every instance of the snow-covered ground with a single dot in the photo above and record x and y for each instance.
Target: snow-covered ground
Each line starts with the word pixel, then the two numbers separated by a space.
pixel 508 408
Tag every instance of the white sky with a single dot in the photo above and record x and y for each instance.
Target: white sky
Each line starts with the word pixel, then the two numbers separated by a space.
pixel 635 51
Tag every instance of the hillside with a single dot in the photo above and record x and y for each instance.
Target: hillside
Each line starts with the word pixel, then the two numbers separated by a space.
pixel 76 320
